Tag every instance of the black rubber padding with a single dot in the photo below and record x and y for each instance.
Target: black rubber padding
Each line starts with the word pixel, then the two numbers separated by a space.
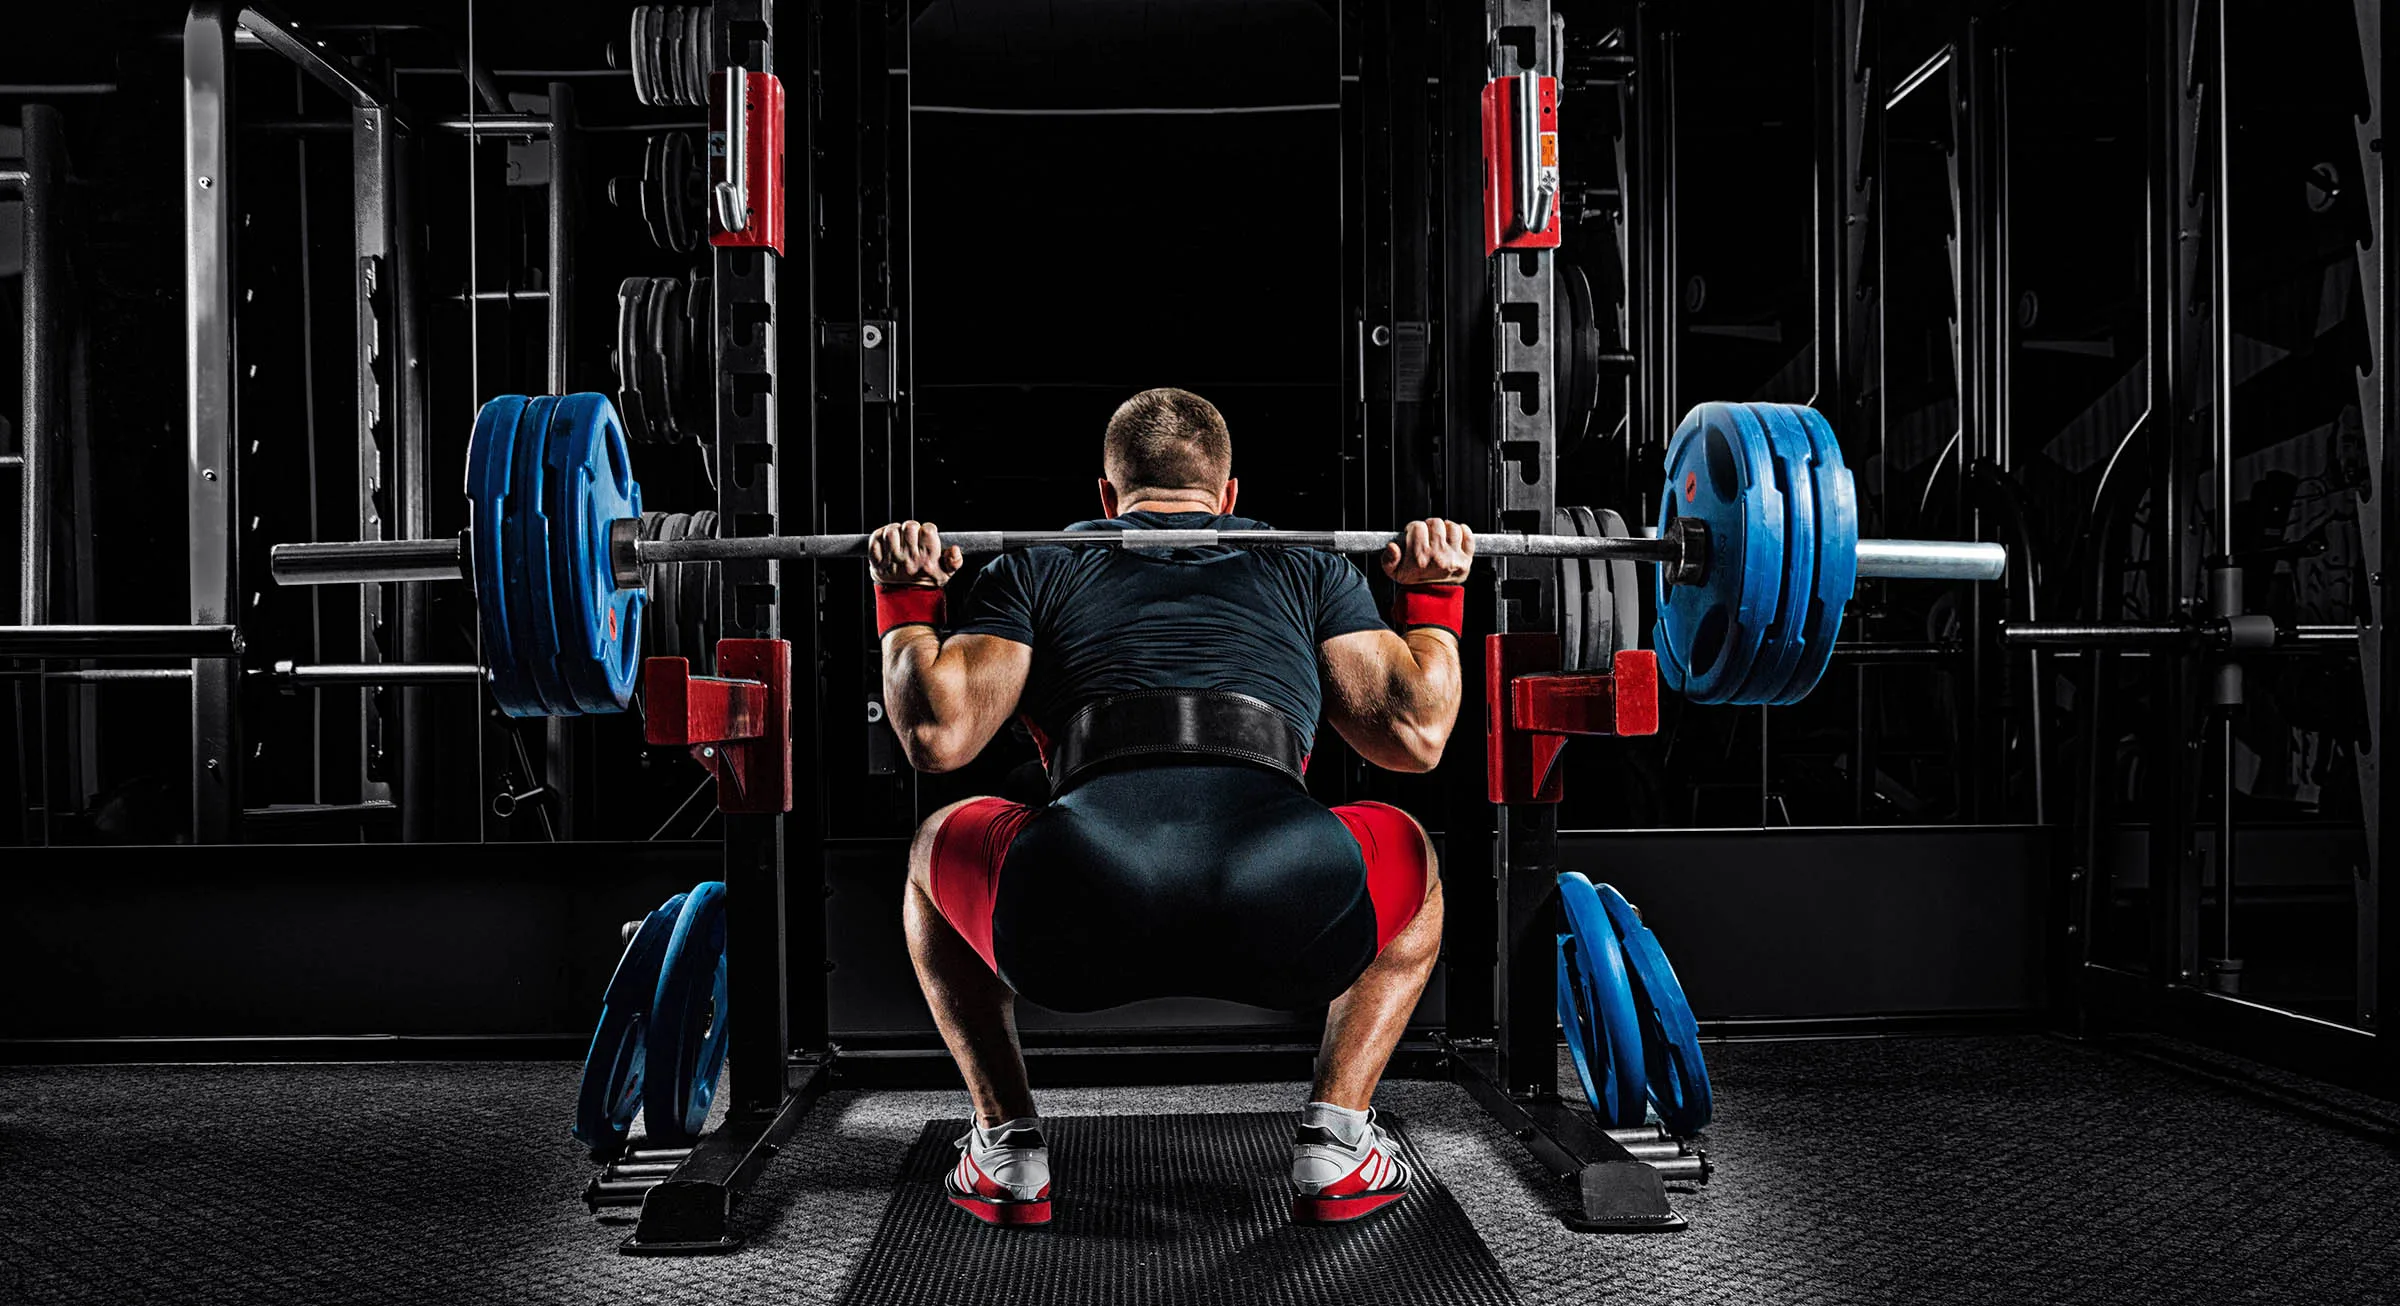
pixel 1184 1209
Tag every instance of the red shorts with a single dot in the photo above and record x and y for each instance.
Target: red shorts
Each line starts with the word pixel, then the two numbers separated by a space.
pixel 973 842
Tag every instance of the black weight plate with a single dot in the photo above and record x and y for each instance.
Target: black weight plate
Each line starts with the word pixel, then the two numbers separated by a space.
pixel 695 51
pixel 700 336
pixel 663 335
pixel 651 635
pixel 1624 585
pixel 654 192
pixel 1576 357
pixel 677 21
pixel 1599 606
pixel 711 574
pixel 662 594
pixel 655 379
pixel 670 56
pixel 632 404
pixel 644 39
pixel 1571 599
pixel 680 187
pixel 694 593
pixel 679 527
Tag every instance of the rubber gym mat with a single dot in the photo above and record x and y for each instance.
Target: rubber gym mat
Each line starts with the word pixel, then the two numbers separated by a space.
pixel 1182 1209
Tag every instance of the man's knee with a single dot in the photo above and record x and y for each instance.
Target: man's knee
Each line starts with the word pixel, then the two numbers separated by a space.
pixel 1433 861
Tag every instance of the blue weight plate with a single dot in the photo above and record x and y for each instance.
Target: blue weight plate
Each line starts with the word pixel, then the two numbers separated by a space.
pixel 1720 470
pixel 612 1071
pixel 1837 553
pixel 1678 1076
pixel 1787 636
pixel 1576 1022
pixel 1594 967
pixel 529 536
pixel 490 463
pixel 687 1022
pixel 589 485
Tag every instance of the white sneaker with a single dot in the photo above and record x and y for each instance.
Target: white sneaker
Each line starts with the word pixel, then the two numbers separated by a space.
pixel 1344 1165
pixel 1003 1173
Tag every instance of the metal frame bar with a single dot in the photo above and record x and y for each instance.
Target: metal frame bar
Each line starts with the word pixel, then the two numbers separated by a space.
pixel 212 497
pixel 210 493
pixel 40 184
pixel 566 752
pixel 2376 661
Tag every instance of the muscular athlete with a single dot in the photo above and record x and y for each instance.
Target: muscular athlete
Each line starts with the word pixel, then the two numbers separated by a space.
pixel 1182 873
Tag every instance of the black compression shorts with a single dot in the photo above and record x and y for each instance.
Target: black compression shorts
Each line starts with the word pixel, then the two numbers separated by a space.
pixel 1179 880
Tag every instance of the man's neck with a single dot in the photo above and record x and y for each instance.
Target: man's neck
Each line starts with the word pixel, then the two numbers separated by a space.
pixel 1170 505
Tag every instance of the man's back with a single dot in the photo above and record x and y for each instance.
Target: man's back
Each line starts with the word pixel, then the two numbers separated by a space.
pixel 1104 621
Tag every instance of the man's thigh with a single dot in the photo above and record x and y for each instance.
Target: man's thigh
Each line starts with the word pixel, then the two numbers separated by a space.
pixel 956 861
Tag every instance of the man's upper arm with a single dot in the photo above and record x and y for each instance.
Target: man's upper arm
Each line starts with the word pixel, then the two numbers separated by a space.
pixel 991 648
pixel 1362 669
pixel 994 671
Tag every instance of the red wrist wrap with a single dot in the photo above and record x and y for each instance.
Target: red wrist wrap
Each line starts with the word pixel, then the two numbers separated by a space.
pixel 1430 605
pixel 906 605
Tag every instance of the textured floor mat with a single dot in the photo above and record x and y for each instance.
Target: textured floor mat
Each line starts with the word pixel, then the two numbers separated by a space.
pixel 1186 1209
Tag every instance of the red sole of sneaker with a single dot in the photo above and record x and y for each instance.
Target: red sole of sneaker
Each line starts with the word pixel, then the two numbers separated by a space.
pixel 1004 1213
pixel 1342 1210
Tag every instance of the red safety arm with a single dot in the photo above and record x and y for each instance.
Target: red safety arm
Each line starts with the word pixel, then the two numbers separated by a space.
pixel 738 725
pixel 1531 709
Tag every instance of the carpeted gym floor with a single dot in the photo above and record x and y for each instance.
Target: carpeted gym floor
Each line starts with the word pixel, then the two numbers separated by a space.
pixel 2003 1169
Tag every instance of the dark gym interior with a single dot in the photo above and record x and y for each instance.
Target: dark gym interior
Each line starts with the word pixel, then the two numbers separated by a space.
pixel 2029 926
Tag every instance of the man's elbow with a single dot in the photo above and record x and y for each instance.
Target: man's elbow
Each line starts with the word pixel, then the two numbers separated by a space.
pixel 934 749
pixel 1420 750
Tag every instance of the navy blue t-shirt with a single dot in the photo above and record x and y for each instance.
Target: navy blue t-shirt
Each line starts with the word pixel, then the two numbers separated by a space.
pixel 1105 621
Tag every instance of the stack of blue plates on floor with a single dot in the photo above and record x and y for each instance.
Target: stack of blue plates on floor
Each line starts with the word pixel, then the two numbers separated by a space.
pixel 660 1044
pixel 1629 1029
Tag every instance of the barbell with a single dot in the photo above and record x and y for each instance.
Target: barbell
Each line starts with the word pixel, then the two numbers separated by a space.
pixel 1757 552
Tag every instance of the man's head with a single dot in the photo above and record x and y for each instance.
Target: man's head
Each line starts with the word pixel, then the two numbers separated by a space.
pixel 1167 447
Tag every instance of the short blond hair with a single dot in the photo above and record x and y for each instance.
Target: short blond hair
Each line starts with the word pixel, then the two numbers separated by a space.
pixel 1166 439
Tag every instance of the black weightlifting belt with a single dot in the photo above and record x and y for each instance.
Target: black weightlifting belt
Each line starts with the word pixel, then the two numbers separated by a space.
pixel 1195 723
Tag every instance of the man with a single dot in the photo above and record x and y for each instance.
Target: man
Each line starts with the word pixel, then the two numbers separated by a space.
pixel 1174 696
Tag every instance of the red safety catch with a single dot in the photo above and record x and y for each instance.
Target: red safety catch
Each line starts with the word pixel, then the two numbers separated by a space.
pixel 1520 164
pixel 1531 709
pixel 745 160
pixel 738 725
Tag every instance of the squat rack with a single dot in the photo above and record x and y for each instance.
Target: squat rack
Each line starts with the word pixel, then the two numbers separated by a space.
pixel 804 1051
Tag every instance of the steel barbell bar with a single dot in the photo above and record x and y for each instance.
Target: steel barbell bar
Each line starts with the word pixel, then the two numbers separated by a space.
pixel 1683 551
